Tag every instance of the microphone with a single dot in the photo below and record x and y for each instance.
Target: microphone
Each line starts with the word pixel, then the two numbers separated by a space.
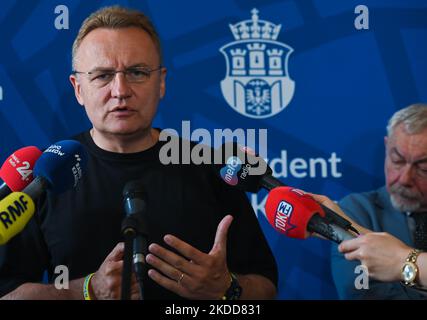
pixel 17 171
pixel 15 212
pixel 59 168
pixel 296 214
pixel 250 173
pixel 243 168
pixel 134 226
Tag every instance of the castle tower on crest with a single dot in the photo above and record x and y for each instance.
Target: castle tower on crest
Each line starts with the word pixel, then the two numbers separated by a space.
pixel 251 59
pixel 238 62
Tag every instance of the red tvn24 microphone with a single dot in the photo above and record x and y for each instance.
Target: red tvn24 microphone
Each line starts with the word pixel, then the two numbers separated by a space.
pixel 296 214
pixel 17 171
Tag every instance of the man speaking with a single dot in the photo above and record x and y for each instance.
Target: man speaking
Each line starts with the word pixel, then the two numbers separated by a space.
pixel 204 238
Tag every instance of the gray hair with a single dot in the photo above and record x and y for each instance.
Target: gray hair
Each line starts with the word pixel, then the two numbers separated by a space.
pixel 413 118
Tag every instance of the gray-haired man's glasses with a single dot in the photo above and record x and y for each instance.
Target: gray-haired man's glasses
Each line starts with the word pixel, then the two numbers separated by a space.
pixel 133 75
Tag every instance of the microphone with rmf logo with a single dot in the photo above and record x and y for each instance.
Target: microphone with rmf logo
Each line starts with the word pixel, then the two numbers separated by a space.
pixel 15 212
pixel 59 168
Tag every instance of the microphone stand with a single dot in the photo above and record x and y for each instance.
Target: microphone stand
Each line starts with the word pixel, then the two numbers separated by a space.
pixel 134 230
pixel 129 234
pixel 127 269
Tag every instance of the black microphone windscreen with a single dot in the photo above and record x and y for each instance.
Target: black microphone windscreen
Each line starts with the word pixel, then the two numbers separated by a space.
pixel 133 189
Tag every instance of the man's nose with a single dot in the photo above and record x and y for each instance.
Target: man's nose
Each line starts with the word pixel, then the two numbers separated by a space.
pixel 120 87
pixel 406 175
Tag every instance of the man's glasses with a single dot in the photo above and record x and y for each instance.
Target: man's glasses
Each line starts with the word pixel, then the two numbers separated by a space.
pixel 101 78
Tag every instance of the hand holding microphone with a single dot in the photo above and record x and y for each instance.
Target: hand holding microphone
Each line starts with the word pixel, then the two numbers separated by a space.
pixel 324 201
pixel 250 173
pixel 296 214
pixel 107 280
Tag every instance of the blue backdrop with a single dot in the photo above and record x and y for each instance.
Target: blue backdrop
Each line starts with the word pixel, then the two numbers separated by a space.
pixel 325 99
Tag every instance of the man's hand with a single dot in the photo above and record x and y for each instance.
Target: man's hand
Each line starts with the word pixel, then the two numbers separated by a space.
pixel 106 282
pixel 193 274
pixel 335 207
pixel 380 252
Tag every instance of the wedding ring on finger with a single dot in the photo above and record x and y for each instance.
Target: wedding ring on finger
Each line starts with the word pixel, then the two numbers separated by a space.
pixel 180 278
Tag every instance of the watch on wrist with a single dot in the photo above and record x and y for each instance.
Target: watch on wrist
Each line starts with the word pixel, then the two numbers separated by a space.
pixel 409 269
pixel 234 291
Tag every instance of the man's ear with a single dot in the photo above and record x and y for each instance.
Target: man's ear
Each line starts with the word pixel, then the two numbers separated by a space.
pixel 163 82
pixel 77 89
pixel 385 149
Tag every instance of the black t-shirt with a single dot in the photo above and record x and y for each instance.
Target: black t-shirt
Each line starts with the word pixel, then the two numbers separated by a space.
pixel 80 227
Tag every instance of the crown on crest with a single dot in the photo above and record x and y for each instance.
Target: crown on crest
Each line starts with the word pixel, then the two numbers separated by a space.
pixel 255 29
